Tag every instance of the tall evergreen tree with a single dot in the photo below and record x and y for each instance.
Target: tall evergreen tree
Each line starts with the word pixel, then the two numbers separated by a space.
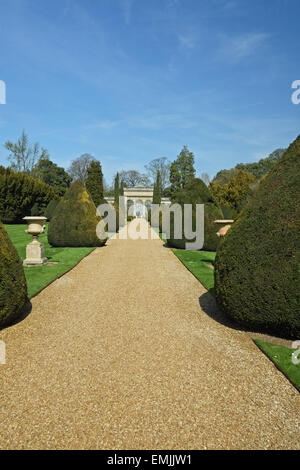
pixel 182 170
pixel 94 182
pixel 122 188
pixel 157 189
pixel 117 188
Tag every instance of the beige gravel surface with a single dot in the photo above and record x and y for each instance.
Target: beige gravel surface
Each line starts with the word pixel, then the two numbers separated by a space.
pixel 118 354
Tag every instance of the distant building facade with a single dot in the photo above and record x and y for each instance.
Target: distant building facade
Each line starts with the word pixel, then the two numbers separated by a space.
pixel 139 200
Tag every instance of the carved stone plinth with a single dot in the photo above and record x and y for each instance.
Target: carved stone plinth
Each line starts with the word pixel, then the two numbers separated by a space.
pixel 35 254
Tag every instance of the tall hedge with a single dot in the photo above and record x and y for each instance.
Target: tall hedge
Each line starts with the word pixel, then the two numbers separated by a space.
pixel 257 265
pixel 74 220
pixel 13 288
pixel 198 193
pixel 19 192
pixel 51 208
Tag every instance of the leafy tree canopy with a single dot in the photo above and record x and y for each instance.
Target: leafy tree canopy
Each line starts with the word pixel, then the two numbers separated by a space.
pixel 236 191
pixel 52 174
pixel 257 169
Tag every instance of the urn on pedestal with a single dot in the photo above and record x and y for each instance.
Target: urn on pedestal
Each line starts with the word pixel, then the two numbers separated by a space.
pixel 35 251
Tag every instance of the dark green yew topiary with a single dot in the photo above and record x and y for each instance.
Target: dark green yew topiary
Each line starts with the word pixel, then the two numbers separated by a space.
pixel 198 193
pixel 13 289
pixel 51 208
pixel 257 264
pixel 74 220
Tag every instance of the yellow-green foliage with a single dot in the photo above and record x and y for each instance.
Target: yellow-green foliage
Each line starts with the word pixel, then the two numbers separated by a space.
pixel 74 220
pixel 13 289
pixel 235 191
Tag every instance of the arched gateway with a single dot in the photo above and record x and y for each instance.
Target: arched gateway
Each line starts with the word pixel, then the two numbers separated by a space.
pixel 139 198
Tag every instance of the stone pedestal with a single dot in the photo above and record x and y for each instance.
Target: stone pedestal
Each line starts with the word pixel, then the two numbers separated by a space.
pixel 35 251
pixel 35 254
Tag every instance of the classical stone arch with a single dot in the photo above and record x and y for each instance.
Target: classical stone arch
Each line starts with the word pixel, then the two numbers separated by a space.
pixel 138 199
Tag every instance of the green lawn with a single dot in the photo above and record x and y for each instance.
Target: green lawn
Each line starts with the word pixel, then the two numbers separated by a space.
pixel 39 277
pixel 198 263
pixel 281 356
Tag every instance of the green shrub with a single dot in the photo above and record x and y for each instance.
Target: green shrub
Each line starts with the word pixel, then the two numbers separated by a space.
pixel 51 208
pixel 13 289
pixel 19 193
pixel 198 193
pixel 74 220
pixel 257 264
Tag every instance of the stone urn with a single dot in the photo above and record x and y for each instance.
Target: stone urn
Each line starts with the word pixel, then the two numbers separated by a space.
pixel 35 251
pixel 224 225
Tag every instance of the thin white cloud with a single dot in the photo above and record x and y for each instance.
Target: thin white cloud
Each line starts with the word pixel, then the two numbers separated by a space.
pixel 106 125
pixel 126 6
pixel 188 40
pixel 162 121
pixel 239 47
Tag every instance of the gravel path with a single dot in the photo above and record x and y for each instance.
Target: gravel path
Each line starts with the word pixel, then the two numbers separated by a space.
pixel 117 354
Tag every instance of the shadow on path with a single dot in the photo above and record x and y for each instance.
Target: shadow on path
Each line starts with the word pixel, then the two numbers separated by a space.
pixel 26 312
pixel 209 306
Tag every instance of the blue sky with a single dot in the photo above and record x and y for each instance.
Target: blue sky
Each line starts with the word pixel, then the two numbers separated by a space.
pixel 133 80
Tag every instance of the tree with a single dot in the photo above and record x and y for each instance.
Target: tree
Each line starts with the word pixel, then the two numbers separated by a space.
pixel 50 173
pixel 236 192
pixel 257 169
pixel 163 166
pixel 131 178
pixel 94 182
pixel 79 167
pixel 117 188
pixel 182 170
pixel 23 156
pixel 122 188
pixel 157 189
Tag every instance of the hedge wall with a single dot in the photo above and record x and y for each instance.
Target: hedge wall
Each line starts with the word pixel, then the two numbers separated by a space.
pixel 257 265
pixel 19 193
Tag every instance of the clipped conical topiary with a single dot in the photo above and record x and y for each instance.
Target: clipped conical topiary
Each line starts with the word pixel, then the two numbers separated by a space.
pixel 13 288
pixel 257 278
pixel 198 193
pixel 74 220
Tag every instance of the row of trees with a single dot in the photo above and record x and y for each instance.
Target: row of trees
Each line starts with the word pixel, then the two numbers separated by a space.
pixel 232 188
